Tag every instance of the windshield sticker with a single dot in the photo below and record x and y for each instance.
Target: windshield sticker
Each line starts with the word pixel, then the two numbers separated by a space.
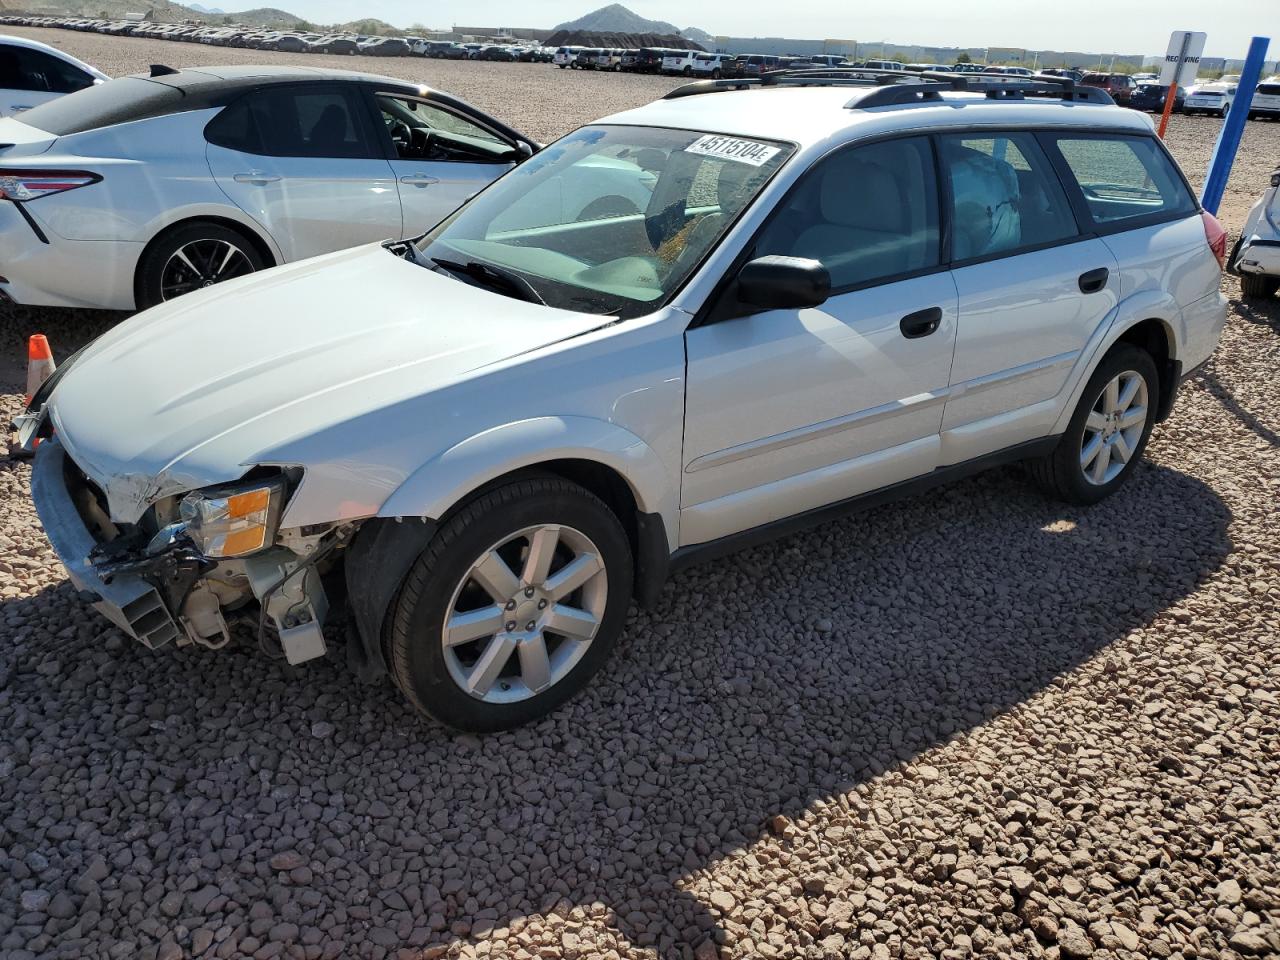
pixel 731 148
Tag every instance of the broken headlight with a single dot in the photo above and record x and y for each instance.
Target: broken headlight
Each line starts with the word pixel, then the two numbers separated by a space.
pixel 234 521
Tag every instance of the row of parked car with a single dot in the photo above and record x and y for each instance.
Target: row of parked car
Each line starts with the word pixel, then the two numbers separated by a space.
pixel 290 41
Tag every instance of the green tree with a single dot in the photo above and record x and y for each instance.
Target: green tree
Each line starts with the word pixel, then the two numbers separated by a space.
pixel 964 58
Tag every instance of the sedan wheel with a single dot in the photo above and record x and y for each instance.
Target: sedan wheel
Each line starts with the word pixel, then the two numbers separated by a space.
pixel 1114 427
pixel 193 256
pixel 202 263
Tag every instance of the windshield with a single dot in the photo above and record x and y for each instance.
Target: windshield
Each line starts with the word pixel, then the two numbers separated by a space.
pixel 610 219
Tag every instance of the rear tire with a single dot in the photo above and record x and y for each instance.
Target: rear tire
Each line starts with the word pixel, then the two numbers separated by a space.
pixel 452 649
pixel 1258 286
pixel 192 256
pixel 1103 424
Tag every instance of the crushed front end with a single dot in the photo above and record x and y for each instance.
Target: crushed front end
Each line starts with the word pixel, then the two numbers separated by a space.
pixel 190 559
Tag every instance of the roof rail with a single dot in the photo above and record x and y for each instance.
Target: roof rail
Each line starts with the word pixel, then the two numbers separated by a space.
pixel 897 87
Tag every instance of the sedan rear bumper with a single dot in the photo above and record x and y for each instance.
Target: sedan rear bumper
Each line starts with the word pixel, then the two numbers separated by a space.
pixel 56 272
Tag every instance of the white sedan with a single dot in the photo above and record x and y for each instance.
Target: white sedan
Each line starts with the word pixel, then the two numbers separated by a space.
pixel 32 73
pixel 142 189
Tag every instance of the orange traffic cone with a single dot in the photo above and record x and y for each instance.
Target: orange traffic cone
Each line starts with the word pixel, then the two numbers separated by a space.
pixel 40 365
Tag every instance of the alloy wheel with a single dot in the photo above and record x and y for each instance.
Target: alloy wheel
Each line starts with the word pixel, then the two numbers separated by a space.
pixel 1114 427
pixel 202 263
pixel 510 635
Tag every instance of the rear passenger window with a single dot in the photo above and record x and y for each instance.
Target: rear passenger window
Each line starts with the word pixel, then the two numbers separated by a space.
pixel 291 122
pixel 1005 196
pixel 867 214
pixel 1126 178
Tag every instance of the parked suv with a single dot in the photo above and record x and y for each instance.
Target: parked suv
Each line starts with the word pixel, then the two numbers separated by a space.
pixel 686 327
pixel 1119 85
pixel 710 65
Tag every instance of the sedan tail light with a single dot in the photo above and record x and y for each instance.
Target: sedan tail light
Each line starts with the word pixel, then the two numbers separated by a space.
pixel 1216 235
pixel 25 185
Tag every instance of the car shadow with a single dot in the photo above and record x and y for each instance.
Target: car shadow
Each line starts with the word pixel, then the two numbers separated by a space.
pixel 1260 313
pixel 766 683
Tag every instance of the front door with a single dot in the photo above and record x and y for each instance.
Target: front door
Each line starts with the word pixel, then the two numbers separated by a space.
pixel 440 158
pixel 790 410
pixel 300 160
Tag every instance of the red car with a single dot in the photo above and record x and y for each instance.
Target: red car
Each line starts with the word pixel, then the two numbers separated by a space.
pixel 1119 85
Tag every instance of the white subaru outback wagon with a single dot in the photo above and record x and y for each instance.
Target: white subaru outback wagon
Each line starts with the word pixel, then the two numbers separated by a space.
pixel 480 445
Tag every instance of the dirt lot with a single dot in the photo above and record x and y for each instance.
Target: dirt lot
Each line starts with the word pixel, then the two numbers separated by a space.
pixel 972 723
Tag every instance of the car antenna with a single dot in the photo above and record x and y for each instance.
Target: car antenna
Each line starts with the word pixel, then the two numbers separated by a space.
pixel 160 70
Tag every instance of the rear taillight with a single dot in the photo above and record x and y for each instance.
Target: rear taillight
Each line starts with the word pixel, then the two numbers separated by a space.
pixel 25 185
pixel 1216 234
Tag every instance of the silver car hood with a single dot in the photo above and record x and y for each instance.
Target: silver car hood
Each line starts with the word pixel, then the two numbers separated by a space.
pixel 192 392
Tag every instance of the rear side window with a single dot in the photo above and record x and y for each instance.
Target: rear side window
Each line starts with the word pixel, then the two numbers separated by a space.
pixel 118 101
pixel 1126 179
pixel 1005 196
pixel 292 122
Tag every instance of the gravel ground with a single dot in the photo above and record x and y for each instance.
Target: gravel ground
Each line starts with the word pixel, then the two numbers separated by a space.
pixel 976 722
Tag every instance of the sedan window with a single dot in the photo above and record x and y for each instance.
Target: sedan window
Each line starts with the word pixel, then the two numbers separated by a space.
pixel 292 122
pixel 420 130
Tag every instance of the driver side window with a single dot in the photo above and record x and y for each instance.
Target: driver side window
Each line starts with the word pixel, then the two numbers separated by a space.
pixel 420 130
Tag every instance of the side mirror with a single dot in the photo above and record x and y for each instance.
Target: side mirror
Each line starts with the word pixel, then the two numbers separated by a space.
pixel 778 283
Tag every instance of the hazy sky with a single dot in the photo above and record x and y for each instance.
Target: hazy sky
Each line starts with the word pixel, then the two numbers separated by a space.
pixel 1123 26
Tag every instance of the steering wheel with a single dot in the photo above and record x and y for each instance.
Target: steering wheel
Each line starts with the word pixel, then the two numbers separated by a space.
pixel 401 135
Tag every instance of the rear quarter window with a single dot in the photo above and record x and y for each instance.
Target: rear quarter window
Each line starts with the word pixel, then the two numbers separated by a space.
pixel 1126 180
pixel 117 101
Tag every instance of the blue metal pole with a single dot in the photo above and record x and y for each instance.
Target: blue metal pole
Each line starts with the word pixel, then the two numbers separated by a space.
pixel 1224 152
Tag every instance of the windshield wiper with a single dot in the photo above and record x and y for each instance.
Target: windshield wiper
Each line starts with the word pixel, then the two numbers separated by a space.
pixel 494 277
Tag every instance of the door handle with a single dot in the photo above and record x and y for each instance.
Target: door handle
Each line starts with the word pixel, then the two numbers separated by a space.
pixel 1094 280
pixel 255 177
pixel 921 323
pixel 20 107
pixel 419 179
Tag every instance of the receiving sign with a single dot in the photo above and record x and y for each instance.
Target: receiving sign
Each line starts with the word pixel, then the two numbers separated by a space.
pixel 733 148
pixel 1182 61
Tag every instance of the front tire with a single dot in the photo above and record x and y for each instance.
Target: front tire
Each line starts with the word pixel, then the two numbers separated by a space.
pixel 1258 286
pixel 515 604
pixel 1108 432
pixel 193 256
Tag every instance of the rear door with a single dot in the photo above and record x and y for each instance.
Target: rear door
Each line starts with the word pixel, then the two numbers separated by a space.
pixel 1135 199
pixel 1033 288
pixel 29 78
pixel 440 157
pixel 302 160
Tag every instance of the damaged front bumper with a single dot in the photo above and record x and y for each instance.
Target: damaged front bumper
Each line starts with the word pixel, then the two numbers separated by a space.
pixel 172 592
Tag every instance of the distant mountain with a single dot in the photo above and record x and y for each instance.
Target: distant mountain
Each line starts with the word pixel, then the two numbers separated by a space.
pixel 615 18
pixel 209 10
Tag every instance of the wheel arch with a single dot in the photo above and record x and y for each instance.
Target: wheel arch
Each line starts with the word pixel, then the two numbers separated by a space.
pixel 386 546
pixel 1157 338
pixel 260 244
pixel 602 457
pixel 1149 320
